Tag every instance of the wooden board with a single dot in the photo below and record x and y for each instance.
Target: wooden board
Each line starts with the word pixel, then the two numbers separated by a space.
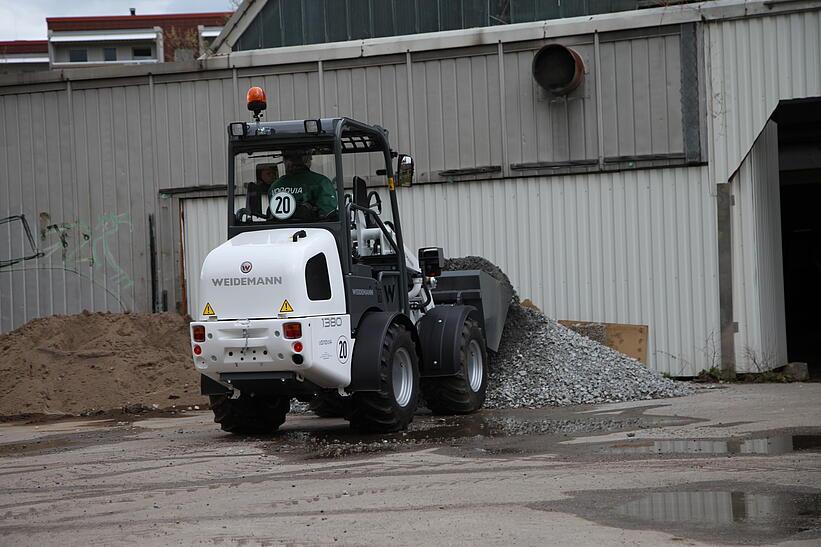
pixel 630 340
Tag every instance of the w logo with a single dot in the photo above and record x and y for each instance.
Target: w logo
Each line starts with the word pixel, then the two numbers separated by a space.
pixel 245 267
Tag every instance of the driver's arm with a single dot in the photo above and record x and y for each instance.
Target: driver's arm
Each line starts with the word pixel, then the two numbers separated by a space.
pixel 325 198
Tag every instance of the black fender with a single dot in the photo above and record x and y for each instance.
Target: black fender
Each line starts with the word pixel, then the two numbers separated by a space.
pixel 211 387
pixel 440 333
pixel 367 350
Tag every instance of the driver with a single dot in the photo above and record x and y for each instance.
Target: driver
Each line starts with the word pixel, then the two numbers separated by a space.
pixel 311 190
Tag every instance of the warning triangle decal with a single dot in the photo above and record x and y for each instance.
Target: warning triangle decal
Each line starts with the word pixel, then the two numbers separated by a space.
pixel 286 307
pixel 208 309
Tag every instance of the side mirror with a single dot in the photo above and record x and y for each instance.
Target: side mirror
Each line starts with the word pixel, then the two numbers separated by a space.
pixel 404 170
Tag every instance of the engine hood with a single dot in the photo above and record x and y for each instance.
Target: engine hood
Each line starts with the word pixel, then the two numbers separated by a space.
pixel 262 274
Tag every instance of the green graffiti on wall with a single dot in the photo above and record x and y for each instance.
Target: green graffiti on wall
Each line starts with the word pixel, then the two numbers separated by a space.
pixel 80 244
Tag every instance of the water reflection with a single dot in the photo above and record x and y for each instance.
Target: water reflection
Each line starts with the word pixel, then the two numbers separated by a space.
pixel 724 507
pixel 770 446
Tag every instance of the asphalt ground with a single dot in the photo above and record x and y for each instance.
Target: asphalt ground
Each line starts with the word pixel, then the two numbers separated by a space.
pixel 728 465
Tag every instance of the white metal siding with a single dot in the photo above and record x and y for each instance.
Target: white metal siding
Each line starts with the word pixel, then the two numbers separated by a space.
pixel 633 247
pixel 758 267
pixel 67 163
pixel 753 63
pixel 204 228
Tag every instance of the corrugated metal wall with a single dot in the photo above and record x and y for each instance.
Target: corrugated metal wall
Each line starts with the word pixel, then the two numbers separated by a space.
pixel 753 63
pixel 632 247
pixel 618 248
pixel 202 232
pixel 68 165
pixel 623 254
pixel 758 266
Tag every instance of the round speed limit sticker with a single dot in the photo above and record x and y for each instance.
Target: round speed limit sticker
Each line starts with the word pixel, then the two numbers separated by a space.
pixel 283 205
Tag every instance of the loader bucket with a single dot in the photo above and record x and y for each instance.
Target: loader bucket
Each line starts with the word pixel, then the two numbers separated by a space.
pixel 478 289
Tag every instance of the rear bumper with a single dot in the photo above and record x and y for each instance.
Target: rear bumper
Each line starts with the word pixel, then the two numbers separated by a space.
pixel 258 346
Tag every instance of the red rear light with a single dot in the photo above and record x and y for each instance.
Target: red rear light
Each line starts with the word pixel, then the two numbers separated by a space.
pixel 198 333
pixel 297 347
pixel 292 330
pixel 197 349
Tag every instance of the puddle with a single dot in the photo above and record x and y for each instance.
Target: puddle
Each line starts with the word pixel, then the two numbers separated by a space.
pixel 711 512
pixel 762 516
pixel 793 511
pixel 490 432
pixel 768 446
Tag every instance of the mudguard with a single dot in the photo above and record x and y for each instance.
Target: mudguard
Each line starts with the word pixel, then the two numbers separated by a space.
pixel 440 333
pixel 367 349
pixel 211 387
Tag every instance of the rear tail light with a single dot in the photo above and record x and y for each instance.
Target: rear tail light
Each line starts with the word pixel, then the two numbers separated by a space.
pixel 292 330
pixel 197 349
pixel 297 347
pixel 198 333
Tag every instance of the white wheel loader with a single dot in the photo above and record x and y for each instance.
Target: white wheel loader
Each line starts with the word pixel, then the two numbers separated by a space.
pixel 325 303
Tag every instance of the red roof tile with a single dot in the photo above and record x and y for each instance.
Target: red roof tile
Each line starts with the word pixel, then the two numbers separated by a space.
pixel 113 22
pixel 23 46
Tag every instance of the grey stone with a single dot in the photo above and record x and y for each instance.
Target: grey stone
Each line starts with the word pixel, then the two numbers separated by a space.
pixel 542 363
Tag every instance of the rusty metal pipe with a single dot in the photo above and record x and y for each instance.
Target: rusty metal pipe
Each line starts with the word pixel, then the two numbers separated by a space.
pixel 558 69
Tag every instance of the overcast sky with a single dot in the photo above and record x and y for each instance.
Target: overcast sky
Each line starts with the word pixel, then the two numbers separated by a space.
pixel 26 19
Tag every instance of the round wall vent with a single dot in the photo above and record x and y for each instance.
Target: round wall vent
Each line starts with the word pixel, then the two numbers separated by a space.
pixel 558 69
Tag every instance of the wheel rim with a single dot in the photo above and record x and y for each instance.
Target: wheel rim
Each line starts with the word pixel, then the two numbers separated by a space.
pixel 476 366
pixel 402 377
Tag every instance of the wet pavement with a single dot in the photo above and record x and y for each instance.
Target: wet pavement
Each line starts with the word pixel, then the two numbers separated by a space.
pixel 740 465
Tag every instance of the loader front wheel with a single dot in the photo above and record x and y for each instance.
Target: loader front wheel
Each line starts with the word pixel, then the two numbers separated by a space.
pixel 392 407
pixel 249 414
pixel 465 392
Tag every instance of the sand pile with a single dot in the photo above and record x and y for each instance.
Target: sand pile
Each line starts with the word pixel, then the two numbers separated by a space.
pixel 75 364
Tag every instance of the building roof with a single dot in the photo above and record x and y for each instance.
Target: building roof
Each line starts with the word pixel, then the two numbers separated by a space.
pixel 23 46
pixel 109 22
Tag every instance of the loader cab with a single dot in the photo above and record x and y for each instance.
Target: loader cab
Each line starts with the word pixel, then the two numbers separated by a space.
pixel 344 184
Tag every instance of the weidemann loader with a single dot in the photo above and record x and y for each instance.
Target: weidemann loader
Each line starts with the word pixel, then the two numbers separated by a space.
pixel 329 305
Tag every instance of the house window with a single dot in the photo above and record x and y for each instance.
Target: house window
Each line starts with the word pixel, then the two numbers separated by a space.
pixel 109 54
pixel 78 55
pixel 141 53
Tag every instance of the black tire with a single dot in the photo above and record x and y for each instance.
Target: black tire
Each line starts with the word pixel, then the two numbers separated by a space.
pixel 250 414
pixel 454 394
pixel 382 411
pixel 331 405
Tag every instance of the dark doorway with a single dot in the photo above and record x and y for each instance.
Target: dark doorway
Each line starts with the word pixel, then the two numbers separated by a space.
pixel 799 151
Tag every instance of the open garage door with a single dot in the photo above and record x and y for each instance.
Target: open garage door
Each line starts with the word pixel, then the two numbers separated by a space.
pixel 799 143
pixel 203 228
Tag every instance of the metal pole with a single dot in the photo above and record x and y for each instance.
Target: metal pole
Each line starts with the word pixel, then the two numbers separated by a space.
pixel 501 54
pixel 599 115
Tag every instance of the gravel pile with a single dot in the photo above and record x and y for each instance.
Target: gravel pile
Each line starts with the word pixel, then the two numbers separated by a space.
pixel 542 363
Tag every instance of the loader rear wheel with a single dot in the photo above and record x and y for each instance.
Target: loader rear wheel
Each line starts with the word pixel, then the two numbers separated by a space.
pixel 465 392
pixel 331 405
pixel 249 414
pixel 392 407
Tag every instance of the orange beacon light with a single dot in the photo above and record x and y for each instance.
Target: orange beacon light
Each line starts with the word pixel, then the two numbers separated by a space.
pixel 256 101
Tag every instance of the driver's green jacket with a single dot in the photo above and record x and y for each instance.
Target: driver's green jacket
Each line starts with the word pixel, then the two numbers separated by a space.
pixel 308 188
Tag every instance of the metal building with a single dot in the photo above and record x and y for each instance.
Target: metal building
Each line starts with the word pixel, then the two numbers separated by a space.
pixel 648 195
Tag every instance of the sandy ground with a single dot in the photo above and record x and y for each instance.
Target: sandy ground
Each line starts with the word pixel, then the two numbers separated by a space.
pixel 733 465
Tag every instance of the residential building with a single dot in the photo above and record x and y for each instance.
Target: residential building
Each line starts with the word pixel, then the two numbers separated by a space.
pixel 23 56
pixel 131 39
